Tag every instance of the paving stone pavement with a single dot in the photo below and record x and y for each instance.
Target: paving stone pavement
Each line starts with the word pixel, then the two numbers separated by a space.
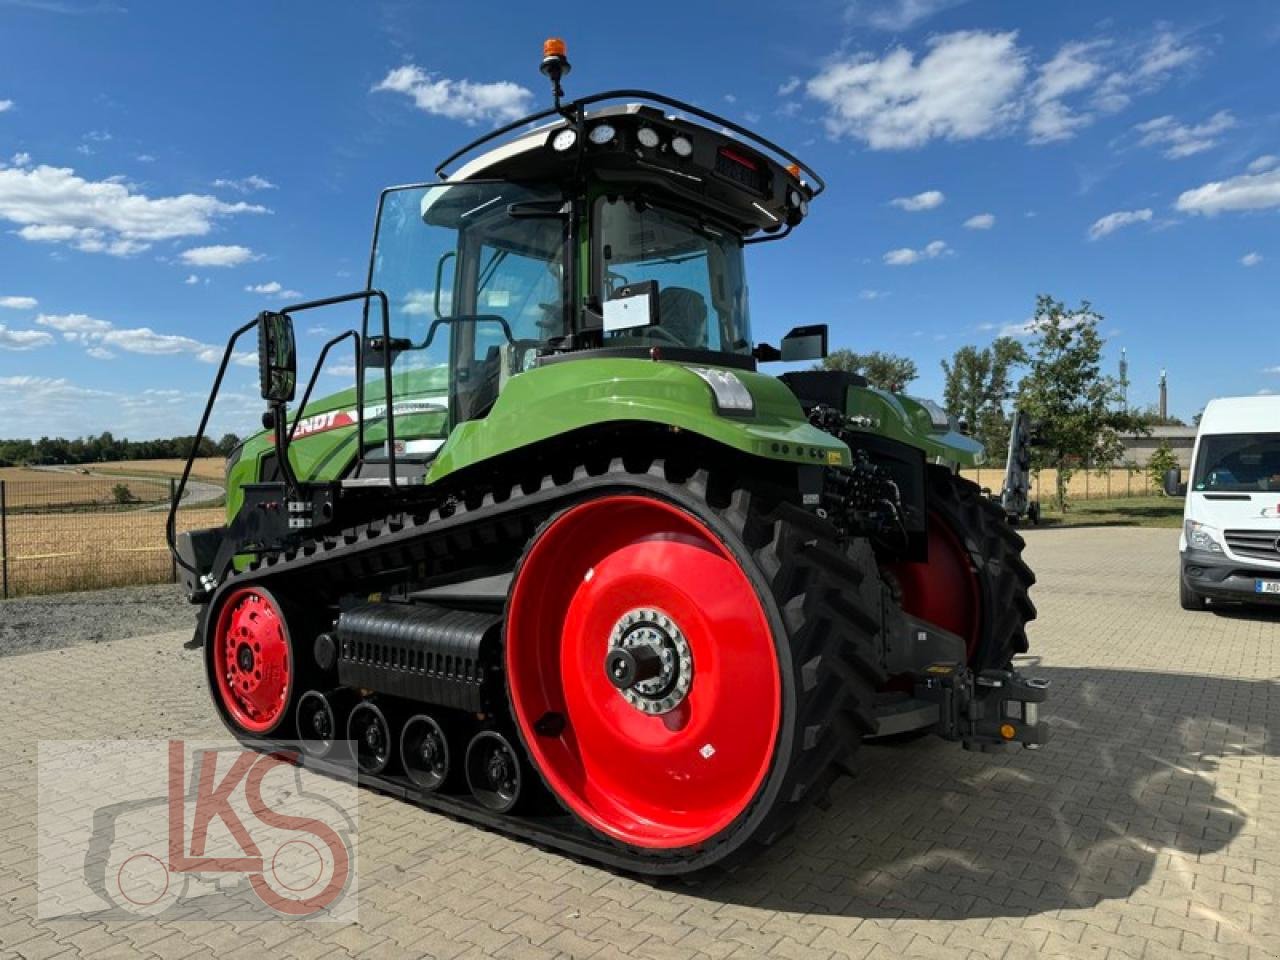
pixel 1149 828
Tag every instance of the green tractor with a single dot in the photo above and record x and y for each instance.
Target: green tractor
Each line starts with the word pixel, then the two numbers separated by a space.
pixel 562 562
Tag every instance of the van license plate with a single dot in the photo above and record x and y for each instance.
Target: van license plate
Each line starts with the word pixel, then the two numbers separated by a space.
pixel 1266 586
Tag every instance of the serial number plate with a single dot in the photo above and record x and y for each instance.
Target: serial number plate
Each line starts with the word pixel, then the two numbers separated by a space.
pixel 1266 586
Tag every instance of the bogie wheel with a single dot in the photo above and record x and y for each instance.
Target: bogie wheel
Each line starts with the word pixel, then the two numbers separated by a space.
pixel 369 731
pixel 495 773
pixel 425 753
pixel 251 661
pixel 975 582
pixel 655 682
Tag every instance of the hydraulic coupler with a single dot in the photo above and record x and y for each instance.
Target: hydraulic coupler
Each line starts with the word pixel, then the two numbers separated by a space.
pixel 985 711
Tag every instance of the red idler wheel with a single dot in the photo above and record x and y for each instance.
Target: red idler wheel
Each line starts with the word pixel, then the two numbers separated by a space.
pixel 944 590
pixel 643 672
pixel 250 663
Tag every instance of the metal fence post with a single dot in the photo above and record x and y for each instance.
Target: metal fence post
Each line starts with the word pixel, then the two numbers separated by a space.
pixel 4 540
pixel 173 499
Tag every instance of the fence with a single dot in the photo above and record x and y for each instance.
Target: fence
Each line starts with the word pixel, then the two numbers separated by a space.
pixel 1108 483
pixel 66 530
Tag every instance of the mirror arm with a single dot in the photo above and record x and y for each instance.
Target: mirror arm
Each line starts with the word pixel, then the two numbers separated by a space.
pixel 766 353
pixel 315 373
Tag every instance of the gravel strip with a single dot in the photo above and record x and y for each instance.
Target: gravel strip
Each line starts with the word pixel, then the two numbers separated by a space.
pixel 94 616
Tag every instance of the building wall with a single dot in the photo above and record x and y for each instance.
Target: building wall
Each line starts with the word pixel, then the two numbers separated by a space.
pixel 1181 441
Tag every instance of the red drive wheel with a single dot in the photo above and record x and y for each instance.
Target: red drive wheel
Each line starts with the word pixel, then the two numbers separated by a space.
pixel 945 590
pixel 250 662
pixel 643 672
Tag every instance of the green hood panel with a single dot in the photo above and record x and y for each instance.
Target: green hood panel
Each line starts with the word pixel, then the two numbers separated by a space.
pixel 561 397
pixel 542 403
pixel 910 421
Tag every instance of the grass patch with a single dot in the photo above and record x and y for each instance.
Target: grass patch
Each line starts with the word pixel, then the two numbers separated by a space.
pixel 1163 512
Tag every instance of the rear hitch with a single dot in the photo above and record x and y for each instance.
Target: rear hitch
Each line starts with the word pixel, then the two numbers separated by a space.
pixel 987 710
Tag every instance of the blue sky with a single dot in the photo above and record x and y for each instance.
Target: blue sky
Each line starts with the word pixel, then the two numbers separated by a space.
pixel 171 169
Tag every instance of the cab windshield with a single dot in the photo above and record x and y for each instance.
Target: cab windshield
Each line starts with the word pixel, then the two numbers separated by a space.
pixel 474 273
pixel 1238 463
pixel 698 267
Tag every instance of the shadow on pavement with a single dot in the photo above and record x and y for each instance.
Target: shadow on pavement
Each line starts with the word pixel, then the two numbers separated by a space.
pixel 928 830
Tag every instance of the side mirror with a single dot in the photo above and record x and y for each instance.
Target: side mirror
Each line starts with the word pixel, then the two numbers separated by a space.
pixel 805 343
pixel 1173 485
pixel 277 357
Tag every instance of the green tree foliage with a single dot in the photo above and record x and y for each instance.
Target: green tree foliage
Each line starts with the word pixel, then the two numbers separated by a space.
pixel 888 371
pixel 1150 415
pixel 105 447
pixel 122 494
pixel 1075 404
pixel 1162 461
pixel 979 382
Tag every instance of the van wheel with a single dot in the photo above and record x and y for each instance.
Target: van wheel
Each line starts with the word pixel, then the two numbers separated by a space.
pixel 1189 599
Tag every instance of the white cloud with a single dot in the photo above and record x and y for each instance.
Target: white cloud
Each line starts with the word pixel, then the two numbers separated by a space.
pixel 191 280
pixel 1256 191
pixel 965 86
pixel 100 353
pixel 272 289
pixel 20 159
pixel 74 325
pixel 921 201
pixel 788 86
pixel 1030 327
pixel 246 184
pixel 905 256
pixel 1251 259
pixel 873 294
pixel 6 105
pixel 1074 68
pixel 464 100
pixel 18 303
pixel 1264 162
pixel 897 15
pixel 145 158
pixel 1114 221
pixel 54 205
pixel 23 339
pixel 975 83
pixel 1180 140
pixel 222 255
pixel 981 221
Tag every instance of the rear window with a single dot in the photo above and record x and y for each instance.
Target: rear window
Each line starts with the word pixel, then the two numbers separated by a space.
pixel 1238 463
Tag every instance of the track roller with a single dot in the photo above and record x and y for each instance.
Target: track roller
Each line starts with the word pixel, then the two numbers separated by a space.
pixel 321 720
pixel 495 772
pixel 425 754
pixel 370 730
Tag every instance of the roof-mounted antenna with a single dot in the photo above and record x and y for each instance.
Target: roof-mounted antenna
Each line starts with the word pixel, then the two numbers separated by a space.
pixel 555 64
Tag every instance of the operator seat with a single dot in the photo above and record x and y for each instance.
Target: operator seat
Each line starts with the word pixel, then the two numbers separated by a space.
pixel 683 313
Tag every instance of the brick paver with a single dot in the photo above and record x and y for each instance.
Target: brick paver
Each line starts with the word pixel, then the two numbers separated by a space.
pixel 1150 828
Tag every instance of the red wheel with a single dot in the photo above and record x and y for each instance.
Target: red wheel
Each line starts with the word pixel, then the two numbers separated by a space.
pixel 250 660
pixel 945 590
pixel 643 672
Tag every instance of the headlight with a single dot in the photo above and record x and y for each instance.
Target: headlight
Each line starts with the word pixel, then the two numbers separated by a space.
pixel 563 140
pixel 681 146
pixel 1201 537
pixel 648 137
pixel 602 133
pixel 731 394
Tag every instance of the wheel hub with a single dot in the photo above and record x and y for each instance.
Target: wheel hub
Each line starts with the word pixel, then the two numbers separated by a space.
pixel 649 661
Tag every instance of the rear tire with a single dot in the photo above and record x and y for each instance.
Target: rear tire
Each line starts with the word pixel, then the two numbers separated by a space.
pixel 813 607
pixel 975 583
pixel 1188 599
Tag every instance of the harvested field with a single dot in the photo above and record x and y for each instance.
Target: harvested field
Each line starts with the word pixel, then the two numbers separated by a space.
pixel 55 552
pixel 26 488
pixel 205 468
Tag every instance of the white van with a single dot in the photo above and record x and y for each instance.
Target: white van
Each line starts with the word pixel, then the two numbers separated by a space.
pixel 1230 541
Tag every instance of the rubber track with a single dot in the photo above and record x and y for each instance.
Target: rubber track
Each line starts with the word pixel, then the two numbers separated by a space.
pixel 995 549
pixel 826 607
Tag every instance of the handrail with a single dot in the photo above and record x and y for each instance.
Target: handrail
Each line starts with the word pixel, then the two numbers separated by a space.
pixel 575 110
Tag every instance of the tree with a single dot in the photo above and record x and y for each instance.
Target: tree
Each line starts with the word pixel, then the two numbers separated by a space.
pixel 1150 415
pixel 979 382
pixel 888 371
pixel 228 443
pixel 1162 461
pixel 1075 405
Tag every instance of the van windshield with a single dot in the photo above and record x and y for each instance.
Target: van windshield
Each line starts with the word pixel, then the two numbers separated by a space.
pixel 1238 463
